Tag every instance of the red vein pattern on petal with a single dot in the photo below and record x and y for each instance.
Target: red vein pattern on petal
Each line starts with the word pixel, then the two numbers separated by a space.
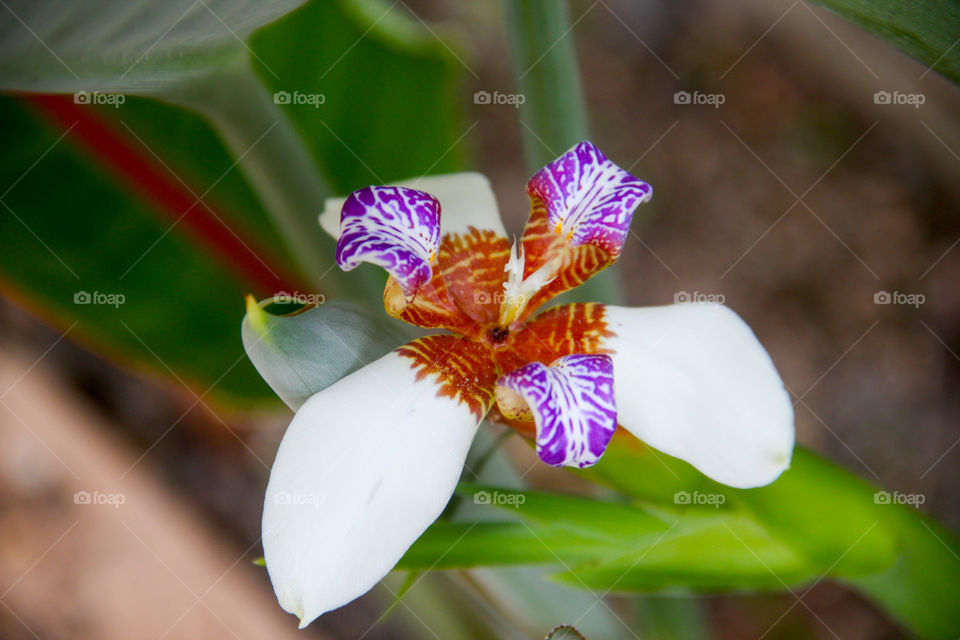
pixel 561 331
pixel 465 291
pixel 541 244
pixel 571 329
pixel 463 369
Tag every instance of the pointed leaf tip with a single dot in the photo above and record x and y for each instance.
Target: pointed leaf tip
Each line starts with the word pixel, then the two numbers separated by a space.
pixel 257 316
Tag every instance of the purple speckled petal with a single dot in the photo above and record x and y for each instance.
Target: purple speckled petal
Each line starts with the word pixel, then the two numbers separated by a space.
pixel 392 227
pixel 589 199
pixel 573 406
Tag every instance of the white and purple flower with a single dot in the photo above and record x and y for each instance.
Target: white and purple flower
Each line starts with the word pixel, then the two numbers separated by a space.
pixel 382 449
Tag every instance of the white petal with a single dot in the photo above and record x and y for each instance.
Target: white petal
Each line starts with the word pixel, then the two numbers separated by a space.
pixel 693 381
pixel 466 200
pixel 364 468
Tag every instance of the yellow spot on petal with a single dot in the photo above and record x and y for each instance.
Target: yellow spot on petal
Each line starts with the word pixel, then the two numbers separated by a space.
pixel 257 316
pixel 394 300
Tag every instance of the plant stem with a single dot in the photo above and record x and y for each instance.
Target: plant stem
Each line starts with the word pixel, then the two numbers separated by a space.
pixel 274 160
pixel 553 115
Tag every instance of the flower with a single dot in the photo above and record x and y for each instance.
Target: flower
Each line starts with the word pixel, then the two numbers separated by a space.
pixel 369 463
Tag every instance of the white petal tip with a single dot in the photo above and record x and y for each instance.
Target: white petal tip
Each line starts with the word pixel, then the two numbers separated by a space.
pixel 364 468
pixel 300 605
pixel 711 395
pixel 761 475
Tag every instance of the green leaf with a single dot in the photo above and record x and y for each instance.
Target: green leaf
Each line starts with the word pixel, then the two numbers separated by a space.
pixel 817 521
pixel 662 476
pixel 74 224
pixel 716 551
pixel 69 227
pixel 391 107
pixel 302 351
pixel 610 522
pixel 921 588
pixel 120 46
pixel 708 548
pixel 701 552
pixel 827 515
pixel 820 510
pixel 925 29
pixel 459 545
pixel 830 520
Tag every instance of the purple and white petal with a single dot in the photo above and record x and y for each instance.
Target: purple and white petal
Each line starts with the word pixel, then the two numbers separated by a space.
pixel 394 228
pixel 589 199
pixel 571 402
pixel 467 200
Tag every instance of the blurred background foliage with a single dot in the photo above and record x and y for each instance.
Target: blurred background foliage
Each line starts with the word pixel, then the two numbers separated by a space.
pixel 200 188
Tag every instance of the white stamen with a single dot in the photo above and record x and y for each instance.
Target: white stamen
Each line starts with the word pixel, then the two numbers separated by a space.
pixel 517 291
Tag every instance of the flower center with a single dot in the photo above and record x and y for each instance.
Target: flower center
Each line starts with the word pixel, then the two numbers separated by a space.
pixel 498 335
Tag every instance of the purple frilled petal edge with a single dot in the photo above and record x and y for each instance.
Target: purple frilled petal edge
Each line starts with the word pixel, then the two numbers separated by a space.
pixel 573 405
pixel 395 228
pixel 589 199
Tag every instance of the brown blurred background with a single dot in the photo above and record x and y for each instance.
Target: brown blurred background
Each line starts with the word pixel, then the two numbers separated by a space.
pixel 797 200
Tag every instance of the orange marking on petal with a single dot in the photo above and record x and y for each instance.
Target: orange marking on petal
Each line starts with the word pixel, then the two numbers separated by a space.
pixel 467 284
pixel 540 246
pixel 464 369
pixel 561 331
